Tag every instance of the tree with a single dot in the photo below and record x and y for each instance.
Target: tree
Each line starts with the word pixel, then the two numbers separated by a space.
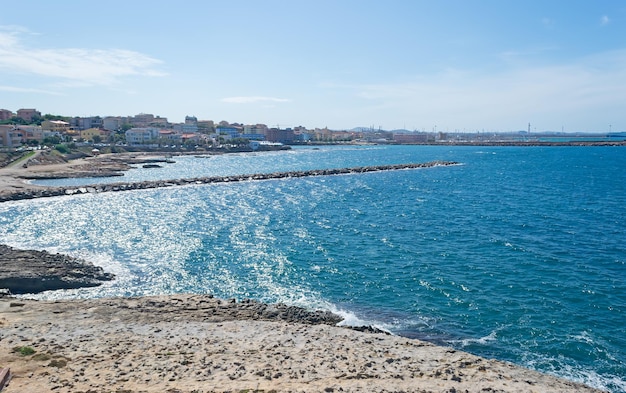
pixel 51 140
pixel 48 116
pixel 64 149
pixel 239 141
pixel 18 120
pixel 36 119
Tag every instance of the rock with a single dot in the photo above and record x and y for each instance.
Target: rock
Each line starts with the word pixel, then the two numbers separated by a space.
pixel 30 194
pixel 30 271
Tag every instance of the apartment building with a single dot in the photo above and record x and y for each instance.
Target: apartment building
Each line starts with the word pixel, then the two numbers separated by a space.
pixel 55 125
pixel 206 126
pixel 142 135
pixel 232 132
pixel 113 123
pixel 10 136
pixel 84 123
pixel 6 114
pixel 31 133
pixel 91 133
pixel 28 114
pixel 283 136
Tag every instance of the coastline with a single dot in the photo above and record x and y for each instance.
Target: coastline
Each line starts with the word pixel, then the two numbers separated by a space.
pixel 196 343
pixel 154 344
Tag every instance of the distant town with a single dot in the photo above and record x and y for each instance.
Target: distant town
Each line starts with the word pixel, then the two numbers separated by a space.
pixel 28 127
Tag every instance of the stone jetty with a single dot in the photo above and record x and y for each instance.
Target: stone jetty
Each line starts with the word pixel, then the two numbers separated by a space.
pixel 121 186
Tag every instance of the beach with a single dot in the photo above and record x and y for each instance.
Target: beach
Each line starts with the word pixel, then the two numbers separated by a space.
pixel 14 179
pixel 197 343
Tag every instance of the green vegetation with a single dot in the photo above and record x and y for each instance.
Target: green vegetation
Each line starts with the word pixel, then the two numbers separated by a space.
pixel 36 120
pixel 63 148
pixel 24 351
pixel 51 140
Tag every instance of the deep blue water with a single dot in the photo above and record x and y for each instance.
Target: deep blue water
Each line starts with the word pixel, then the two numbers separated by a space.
pixel 519 253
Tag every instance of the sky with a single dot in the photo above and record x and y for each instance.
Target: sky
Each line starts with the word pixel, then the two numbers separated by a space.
pixel 445 65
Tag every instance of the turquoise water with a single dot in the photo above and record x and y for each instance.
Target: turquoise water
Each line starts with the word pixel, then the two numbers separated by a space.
pixel 518 253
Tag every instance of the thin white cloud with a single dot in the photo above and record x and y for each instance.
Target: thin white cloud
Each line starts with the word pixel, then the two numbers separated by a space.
pixel 74 66
pixel 13 89
pixel 605 20
pixel 252 99
pixel 574 92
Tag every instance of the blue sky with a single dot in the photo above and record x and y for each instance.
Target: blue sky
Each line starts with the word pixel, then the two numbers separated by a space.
pixel 445 65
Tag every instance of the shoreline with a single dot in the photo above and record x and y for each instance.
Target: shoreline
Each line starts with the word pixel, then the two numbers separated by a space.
pixel 196 343
pixel 154 344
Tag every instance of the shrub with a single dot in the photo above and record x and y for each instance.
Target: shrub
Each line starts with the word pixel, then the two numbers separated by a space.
pixel 24 351
pixel 63 149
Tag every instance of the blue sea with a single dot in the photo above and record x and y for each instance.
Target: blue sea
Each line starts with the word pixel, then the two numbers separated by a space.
pixel 517 253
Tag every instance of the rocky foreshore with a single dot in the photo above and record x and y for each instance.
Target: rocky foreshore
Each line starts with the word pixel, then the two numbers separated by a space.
pixel 31 271
pixel 31 193
pixel 197 343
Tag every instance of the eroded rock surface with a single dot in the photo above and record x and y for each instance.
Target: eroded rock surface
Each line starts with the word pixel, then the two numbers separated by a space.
pixel 30 271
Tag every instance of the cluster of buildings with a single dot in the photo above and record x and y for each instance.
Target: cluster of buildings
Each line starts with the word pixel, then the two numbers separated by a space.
pixel 28 126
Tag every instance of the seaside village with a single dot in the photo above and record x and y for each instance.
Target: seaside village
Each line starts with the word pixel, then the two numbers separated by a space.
pixel 27 127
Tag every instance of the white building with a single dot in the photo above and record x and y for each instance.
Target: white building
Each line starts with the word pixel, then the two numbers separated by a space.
pixel 112 123
pixel 140 136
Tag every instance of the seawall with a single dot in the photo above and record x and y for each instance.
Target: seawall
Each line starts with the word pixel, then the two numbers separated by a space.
pixel 129 186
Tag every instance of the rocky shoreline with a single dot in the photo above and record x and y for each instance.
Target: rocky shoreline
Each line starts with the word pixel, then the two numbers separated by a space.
pixel 31 271
pixel 32 193
pixel 197 343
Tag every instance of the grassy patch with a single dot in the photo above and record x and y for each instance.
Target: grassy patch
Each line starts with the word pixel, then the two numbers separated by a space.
pixel 24 351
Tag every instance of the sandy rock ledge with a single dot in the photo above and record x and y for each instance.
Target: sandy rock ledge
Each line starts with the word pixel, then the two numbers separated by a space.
pixel 196 343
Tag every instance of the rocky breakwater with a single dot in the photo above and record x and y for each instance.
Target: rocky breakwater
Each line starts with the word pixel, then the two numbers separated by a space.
pixel 120 186
pixel 30 271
